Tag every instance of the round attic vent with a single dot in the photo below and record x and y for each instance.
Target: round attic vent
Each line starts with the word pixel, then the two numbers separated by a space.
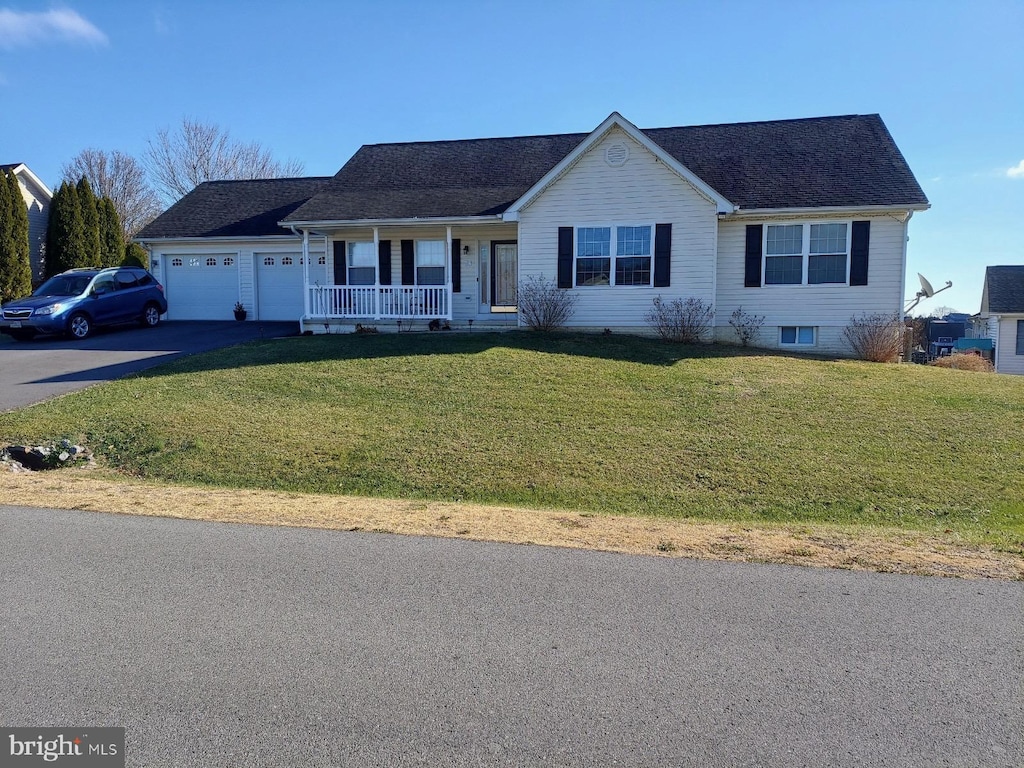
pixel 616 154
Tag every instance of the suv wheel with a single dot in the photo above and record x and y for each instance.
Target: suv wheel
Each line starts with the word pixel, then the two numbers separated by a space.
pixel 79 326
pixel 151 316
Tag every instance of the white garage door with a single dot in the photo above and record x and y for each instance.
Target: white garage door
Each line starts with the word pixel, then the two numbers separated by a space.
pixel 203 287
pixel 279 286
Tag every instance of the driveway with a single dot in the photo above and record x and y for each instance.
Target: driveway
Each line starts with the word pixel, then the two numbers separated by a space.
pixel 216 645
pixel 32 371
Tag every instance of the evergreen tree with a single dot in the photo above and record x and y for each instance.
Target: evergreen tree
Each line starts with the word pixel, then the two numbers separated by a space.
pixel 67 243
pixel 6 236
pixel 92 239
pixel 54 256
pixel 15 268
pixel 111 239
pixel 135 256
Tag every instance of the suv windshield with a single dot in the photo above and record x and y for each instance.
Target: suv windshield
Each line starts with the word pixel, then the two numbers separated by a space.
pixel 63 285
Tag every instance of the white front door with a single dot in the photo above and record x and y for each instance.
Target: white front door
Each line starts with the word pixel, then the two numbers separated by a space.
pixel 504 275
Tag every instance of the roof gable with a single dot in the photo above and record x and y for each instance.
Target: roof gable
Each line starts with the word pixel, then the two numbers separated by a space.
pixel 39 190
pixel 613 121
pixel 250 208
pixel 1003 291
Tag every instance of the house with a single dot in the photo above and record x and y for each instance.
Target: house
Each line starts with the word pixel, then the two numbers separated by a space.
pixel 1002 311
pixel 37 197
pixel 801 221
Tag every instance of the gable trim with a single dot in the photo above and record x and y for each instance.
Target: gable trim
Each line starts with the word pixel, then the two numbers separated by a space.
pixel 23 169
pixel 596 136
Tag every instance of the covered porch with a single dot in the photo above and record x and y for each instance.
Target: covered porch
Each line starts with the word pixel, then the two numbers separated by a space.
pixel 410 271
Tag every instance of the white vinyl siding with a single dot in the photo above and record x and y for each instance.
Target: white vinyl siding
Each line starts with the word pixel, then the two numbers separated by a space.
pixel 1006 343
pixel 828 307
pixel 640 191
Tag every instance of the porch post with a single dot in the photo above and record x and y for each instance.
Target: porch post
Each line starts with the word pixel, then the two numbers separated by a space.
pixel 305 272
pixel 448 271
pixel 376 271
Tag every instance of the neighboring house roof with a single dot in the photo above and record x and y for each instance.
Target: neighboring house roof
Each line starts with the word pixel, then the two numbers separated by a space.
pixel 847 161
pixel 21 170
pixel 1003 291
pixel 250 208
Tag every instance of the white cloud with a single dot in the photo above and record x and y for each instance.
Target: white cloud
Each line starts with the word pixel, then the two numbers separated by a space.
pixel 21 29
pixel 1017 172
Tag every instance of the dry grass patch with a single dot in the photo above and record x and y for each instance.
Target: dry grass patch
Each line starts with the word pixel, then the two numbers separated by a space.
pixel 872 549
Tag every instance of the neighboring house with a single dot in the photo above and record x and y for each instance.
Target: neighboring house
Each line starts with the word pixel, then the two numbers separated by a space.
pixel 802 221
pixel 1002 309
pixel 37 197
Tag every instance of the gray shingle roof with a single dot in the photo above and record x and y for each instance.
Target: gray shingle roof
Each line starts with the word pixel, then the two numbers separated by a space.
pixel 826 161
pixel 1004 287
pixel 234 208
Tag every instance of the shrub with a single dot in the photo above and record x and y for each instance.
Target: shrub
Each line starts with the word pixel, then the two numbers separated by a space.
pixel 746 326
pixel 875 337
pixel 544 306
pixel 962 362
pixel 681 320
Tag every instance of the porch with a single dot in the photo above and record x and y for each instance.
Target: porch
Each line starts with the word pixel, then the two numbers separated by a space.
pixel 379 302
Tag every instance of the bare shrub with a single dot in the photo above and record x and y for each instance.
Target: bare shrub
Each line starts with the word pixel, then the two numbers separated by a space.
pixel 544 306
pixel 680 320
pixel 746 326
pixel 962 362
pixel 875 337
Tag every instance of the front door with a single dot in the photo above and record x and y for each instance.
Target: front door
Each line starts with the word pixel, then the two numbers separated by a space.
pixel 504 275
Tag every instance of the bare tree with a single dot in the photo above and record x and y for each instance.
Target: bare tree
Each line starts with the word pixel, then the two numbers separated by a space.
pixel 121 178
pixel 196 152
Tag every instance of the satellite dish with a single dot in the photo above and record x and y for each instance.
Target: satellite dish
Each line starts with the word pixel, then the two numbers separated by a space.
pixel 926 288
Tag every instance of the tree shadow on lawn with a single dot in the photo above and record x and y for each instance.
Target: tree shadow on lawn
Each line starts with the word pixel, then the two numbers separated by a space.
pixel 338 347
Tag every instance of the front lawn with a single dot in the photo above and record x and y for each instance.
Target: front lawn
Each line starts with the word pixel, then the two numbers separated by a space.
pixel 611 424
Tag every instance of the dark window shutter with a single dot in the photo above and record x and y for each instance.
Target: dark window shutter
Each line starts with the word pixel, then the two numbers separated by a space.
pixel 662 255
pixel 384 261
pixel 456 265
pixel 752 271
pixel 408 263
pixel 565 257
pixel 859 252
pixel 340 263
pixel 1020 337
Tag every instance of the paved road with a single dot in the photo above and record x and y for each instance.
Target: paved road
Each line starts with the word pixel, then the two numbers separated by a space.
pixel 37 370
pixel 221 645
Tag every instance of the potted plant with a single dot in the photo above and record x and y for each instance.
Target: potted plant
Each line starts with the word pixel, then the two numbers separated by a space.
pixel 240 312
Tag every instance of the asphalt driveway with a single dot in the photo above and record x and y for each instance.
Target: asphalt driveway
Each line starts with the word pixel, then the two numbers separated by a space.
pixel 33 371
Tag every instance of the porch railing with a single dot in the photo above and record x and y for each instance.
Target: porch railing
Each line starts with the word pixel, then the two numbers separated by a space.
pixel 380 302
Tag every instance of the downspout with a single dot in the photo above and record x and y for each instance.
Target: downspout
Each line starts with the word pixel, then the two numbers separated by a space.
pixel 903 287
pixel 305 275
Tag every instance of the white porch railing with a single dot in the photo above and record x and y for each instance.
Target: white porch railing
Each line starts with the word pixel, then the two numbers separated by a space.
pixel 380 302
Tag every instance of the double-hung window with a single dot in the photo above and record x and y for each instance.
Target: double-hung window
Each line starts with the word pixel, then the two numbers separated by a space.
pixel 430 262
pixel 619 255
pixel 362 264
pixel 806 254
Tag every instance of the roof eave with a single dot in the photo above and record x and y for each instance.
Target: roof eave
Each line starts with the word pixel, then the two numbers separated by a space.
pixel 207 239
pixel 826 209
pixel 434 220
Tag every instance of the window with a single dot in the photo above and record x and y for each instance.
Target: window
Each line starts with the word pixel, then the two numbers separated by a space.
pixel 812 254
pixel 287 261
pixel 1020 337
pixel 125 280
pixel 194 262
pixel 228 261
pixel 362 264
pixel 322 261
pixel 176 262
pixel 268 261
pixel 211 262
pixel 430 262
pixel 799 335
pixel 630 251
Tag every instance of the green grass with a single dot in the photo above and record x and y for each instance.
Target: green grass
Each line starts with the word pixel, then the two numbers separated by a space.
pixel 608 424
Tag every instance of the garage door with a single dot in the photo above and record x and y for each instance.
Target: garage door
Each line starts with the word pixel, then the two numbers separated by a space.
pixel 203 287
pixel 279 286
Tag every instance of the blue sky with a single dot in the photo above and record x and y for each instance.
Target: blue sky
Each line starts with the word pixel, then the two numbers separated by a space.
pixel 315 80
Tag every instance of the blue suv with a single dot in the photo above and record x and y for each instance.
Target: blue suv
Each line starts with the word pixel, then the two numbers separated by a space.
pixel 76 301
